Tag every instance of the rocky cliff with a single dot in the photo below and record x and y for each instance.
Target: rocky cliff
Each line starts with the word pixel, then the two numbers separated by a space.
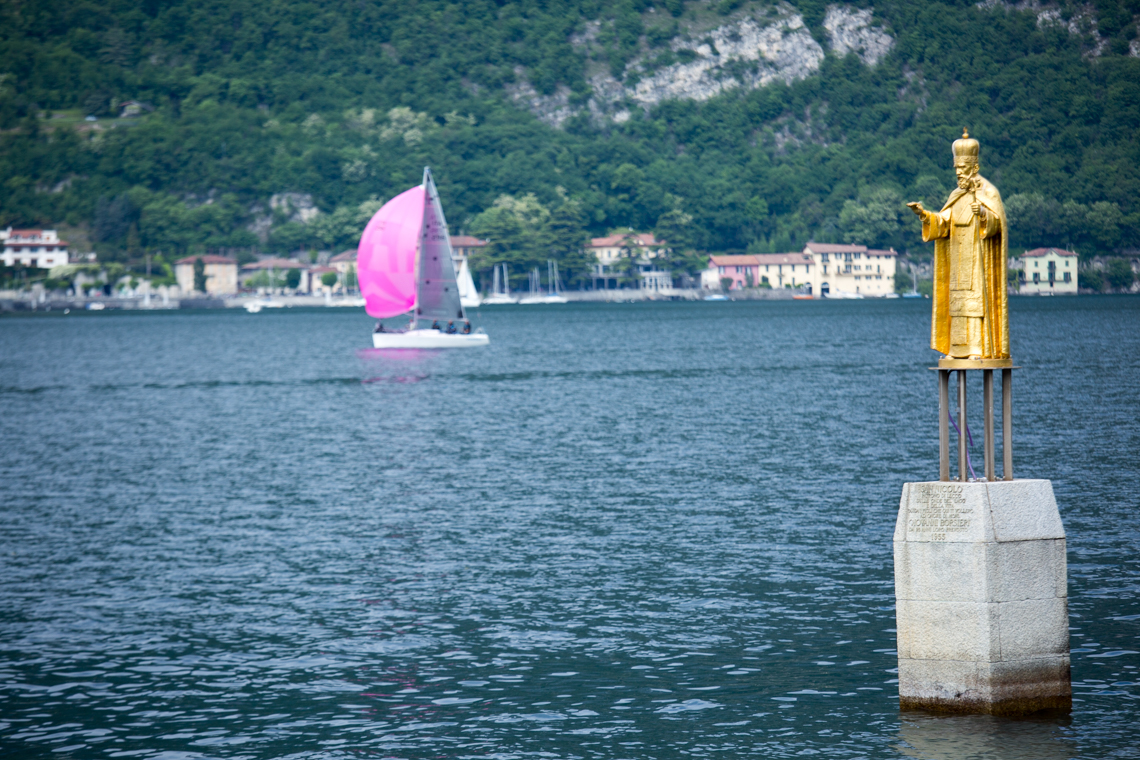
pixel 750 49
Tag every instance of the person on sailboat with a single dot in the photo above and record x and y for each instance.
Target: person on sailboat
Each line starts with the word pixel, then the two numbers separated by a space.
pixel 435 325
pixel 467 327
pixel 451 328
pixel 379 327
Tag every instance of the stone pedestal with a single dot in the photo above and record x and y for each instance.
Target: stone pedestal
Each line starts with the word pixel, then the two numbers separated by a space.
pixel 982 598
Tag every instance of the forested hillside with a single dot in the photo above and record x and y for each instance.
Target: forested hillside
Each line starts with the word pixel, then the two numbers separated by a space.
pixel 730 125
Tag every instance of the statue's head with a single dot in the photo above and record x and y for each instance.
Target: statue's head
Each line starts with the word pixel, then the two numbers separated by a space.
pixel 966 160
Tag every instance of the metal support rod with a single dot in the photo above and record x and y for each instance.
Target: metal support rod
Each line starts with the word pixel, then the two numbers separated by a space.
pixel 962 426
pixel 944 425
pixel 988 400
pixel 1007 423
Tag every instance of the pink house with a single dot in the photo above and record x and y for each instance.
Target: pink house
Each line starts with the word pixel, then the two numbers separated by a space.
pixel 755 270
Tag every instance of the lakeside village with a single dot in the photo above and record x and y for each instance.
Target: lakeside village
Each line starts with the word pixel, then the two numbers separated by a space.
pixel 41 273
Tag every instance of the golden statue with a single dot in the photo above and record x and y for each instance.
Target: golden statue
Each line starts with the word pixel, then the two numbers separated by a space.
pixel 970 234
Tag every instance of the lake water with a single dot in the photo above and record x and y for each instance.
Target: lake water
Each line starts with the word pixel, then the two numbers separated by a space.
pixel 621 531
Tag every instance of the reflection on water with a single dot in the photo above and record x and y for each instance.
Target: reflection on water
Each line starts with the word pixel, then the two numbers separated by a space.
pixel 618 531
pixel 984 737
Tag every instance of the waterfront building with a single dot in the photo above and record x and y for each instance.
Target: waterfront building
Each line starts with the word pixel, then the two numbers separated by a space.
pixel 463 246
pixel 761 270
pixel 851 270
pixel 342 261
pixel 33 248
pixel 314 278
pixel 221 274
pixel 613 254
pixel 1049 270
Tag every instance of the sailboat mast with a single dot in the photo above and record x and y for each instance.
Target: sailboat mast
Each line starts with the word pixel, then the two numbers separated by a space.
pixel 419 252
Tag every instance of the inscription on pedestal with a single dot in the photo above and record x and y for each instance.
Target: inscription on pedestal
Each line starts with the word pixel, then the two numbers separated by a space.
pixel 942 511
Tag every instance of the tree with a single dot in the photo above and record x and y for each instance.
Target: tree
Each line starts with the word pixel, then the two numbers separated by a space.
pixel 518 232
pixel 1090 279
pixel 328 279
pixel 931 191
pixel 1118 274
pixel 199 275
pixel 340 229
pixel 875 220
pixel 293 278
pixel 113 219
pixel 568 242
pixel 675 229
pixel 903 279
pixel 1103 222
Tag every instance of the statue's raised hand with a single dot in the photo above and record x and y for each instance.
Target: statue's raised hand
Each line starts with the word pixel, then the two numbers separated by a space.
pixel 917 208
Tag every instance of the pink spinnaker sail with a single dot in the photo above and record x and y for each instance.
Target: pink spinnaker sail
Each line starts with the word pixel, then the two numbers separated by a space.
pixel 386 257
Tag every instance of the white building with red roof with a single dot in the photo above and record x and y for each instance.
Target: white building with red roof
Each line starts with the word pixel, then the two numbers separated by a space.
pixel 33 248
pixel 613 254
pixel 463 246
pixel 851 270
pixel 1049 270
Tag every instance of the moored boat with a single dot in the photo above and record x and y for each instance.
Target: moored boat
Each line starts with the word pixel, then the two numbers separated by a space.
pixel 501 289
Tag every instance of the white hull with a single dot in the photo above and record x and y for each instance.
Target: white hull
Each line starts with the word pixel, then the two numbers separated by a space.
pixel 471 302
pixel 428 339
pixel 499 299
pixel 542 299
pixel 254 307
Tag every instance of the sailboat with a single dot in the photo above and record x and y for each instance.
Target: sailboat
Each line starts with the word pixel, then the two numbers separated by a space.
pixel 501 290
pixel 535 285
pixel 555 283
pixel 536 294
pixel 468 295
pixel 914 286
pixel 405 264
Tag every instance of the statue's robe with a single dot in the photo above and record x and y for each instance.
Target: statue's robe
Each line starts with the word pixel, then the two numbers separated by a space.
pixel 970 254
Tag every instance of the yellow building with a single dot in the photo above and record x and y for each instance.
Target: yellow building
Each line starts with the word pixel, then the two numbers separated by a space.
pixel 221 274
pixel 851 271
